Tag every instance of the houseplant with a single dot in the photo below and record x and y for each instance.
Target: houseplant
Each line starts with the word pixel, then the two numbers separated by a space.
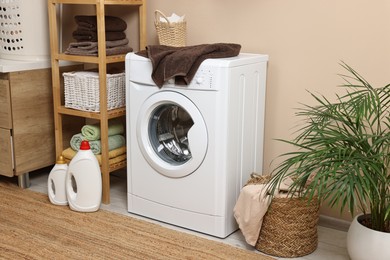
pixel 342 153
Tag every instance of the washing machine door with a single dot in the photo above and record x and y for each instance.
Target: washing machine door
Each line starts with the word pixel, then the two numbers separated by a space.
pixel 172 134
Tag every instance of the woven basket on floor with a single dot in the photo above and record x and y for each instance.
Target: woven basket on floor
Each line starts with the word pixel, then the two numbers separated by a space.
pixel 289 227
pixel 171 34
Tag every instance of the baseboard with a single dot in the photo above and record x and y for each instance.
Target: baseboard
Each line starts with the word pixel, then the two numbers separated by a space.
pixel 334 223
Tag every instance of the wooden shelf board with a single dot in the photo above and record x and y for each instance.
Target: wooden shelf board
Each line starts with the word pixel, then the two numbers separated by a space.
pixel 112 167
pixel 114 113
pixel 89 59
pixel 124 2
pixel 117 166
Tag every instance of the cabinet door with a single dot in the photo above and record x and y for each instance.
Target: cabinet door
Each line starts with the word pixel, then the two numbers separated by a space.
pixel 32 119
pixel 6 164
pixel 5 105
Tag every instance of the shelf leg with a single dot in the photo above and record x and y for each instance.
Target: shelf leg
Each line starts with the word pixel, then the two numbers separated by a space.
pixel 106 187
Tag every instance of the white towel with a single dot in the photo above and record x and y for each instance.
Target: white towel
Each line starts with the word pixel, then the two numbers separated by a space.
pixel 174 18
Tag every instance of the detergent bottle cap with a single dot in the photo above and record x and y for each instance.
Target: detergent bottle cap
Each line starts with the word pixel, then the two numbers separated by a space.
pixel 84 145
pixel 60 160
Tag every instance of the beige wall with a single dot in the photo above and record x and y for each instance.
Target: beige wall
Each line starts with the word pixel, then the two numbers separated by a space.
pixel 305 40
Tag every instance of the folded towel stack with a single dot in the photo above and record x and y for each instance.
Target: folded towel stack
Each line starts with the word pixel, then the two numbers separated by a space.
pixel 92 134
pixel 114 156
pixel 114 141
pixel 86 36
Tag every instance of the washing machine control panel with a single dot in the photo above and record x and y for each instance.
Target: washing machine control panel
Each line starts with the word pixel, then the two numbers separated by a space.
pixel 204 79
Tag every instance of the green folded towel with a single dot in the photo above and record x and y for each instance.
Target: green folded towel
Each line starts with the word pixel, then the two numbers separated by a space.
pixel 75 141
pixel 114 142
pixel 92 132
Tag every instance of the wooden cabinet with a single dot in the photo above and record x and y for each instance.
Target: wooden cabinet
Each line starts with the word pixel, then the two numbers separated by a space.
pixel 101 62
pixel 26 122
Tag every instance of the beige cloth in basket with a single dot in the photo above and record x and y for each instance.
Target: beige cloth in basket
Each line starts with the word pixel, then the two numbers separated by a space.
pixel 252 205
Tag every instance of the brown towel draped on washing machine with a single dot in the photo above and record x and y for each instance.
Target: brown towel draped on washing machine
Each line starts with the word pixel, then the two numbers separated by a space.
pixel 182 63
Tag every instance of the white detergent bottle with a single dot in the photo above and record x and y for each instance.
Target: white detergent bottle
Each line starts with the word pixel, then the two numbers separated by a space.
pixel 84 181
pixel 56 183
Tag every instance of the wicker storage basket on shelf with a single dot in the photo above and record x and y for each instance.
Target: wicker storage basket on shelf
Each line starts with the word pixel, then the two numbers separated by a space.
pixel 171 34
pixel 289 227
pixel 82 90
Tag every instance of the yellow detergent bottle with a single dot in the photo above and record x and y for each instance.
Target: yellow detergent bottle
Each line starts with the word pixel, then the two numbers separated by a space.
pixel 56 183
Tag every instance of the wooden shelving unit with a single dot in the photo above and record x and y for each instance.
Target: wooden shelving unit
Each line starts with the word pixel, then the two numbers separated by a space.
pixel 101 61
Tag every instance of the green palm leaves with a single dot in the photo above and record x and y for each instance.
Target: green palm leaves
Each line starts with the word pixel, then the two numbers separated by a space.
pixel 342 151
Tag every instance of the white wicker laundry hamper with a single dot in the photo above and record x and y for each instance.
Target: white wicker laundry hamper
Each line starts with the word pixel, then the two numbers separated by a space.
pixel 82 90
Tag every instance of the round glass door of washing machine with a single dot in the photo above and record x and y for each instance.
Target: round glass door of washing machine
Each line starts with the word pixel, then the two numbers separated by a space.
pixel 172 134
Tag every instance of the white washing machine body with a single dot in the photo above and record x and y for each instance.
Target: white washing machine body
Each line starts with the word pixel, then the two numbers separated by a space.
pixel 192 148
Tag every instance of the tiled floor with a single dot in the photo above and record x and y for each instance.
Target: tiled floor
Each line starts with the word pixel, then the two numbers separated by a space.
pixel 332 242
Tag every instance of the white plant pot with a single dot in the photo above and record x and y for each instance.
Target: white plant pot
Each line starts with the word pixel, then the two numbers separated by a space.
pixel 364 243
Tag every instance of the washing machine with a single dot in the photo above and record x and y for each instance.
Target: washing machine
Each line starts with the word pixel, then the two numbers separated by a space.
pixel 190 149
